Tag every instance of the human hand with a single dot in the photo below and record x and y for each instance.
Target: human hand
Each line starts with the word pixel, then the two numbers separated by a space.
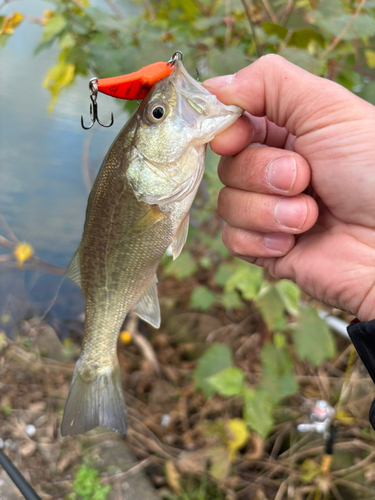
pixel 323 138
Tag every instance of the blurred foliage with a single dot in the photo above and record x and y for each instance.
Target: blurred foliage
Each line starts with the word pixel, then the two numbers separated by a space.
pixel 334 39
pixel 87 485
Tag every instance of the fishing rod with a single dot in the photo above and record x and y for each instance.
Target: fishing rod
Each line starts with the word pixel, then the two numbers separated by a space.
pixel 25 488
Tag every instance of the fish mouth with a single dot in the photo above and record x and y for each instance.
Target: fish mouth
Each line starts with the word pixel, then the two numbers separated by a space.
pixel 200 110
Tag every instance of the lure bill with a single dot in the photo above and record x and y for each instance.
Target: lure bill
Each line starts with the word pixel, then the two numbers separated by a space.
pixel 138 206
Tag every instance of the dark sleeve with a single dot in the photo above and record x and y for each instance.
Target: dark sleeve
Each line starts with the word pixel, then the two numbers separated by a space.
pixel 363 337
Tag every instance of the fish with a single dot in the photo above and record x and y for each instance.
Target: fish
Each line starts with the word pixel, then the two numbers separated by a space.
pixel 138 206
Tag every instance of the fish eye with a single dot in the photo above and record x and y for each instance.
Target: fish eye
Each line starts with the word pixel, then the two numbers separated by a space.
pixel 156 112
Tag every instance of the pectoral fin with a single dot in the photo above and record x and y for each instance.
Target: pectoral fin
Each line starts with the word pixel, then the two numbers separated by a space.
pixel 144 223
pixel 180 237
pixel 148 307
pixel 74 269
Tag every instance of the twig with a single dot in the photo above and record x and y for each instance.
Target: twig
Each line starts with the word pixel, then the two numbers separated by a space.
pixel 335 491
pixel 5 242
pixel 5 3
pixel 355 486
pixel 11 235
pixel 252 27
pixel 130 472
pixel 6 257
pixel 282 490
pixel 270 12
pixel 349 470
pixel 150 9
pixel 34 264
pixel 343 32
pixel 142 343
pixel 288 12
pixel 114 9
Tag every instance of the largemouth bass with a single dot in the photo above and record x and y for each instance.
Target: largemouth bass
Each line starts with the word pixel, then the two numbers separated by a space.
pixel 138 206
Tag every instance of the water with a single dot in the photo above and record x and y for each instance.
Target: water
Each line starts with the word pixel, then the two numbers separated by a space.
pixel 42 193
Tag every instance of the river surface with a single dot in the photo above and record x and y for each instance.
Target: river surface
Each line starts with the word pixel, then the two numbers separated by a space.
pixel 42 193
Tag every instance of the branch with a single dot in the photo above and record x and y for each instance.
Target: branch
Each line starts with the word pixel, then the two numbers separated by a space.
pixel 270 12
pixel 11 235
pixel 288 12
pixel 141 342
pixel 252 26
pixel 341 35
pixel 114 9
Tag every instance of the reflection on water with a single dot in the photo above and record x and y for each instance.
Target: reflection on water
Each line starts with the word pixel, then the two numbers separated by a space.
pixel 42 194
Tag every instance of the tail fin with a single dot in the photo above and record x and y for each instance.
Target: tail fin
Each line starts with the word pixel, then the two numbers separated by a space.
pixel 96 402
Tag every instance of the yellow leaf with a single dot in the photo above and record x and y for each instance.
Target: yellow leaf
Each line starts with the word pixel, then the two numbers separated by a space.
pixel 370 58
pixel 125 337
pixel 9 23
pixel 309 470
pixel 47 15
pixel 22 252
pixel 238 435
pixel 344 418
pixel 57 78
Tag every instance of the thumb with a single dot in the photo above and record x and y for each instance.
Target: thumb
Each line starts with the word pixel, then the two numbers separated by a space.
pixel 287 95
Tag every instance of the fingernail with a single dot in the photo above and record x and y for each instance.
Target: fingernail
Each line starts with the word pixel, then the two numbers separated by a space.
pixel 291 212
pixel 219 81
pixel 277 241
pixel 281 173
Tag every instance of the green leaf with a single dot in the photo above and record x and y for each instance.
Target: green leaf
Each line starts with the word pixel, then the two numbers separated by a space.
pixel 247 279
pixel 363 26
pixel 229 382
pixel 309 470
pixel 231 300
pixel 290 295
pixel 278 387
pixel 181 268
pixel 258 411
pixel 278 379
pixel 302 38
pixel 312 337
pixel 370 58
pixel 67 41
pixel 53 27
pixel 214 360
pixel 330 8
pixel 275 29
pixel 272 307
pixel 276 360
pixel 368 92
pixel 225 62
pixel 303 59
pixel 202 298
pixel 223 273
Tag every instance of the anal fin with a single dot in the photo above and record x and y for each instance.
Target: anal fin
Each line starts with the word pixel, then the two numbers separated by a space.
pixel 148 307
pixel 180 237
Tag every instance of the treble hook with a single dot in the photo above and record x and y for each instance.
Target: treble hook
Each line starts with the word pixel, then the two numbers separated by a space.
pixel 94 106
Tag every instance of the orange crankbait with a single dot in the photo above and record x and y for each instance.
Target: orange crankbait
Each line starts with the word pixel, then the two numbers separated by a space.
pixel 135 86
pixel 132 87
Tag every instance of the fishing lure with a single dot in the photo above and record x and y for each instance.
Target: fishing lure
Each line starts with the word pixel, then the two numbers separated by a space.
pixel 132 87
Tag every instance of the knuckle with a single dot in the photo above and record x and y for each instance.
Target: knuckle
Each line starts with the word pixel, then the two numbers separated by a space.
pixel 233 241
pixel 222 200
pixel 272 60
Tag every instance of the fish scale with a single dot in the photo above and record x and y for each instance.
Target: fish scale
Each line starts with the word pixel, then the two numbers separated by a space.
pixel 138 206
